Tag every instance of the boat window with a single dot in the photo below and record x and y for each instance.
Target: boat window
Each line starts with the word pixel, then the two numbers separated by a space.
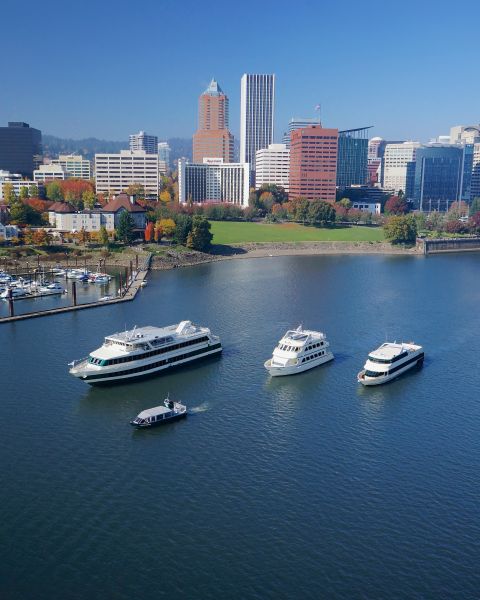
pixel 373 374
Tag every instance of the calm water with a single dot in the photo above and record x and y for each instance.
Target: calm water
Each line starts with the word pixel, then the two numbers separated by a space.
pixel 302 487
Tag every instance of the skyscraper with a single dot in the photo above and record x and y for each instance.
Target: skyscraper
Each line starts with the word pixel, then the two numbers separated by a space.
pixel 399 167
pixel 352 157
pixel 256 115
pixel 20 148
pixel 273 166
pixel 144 141
pixel 313 163
pixel 212 138
pixel 297 123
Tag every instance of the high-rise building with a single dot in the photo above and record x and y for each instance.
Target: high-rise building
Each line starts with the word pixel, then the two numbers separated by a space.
pixel 297 123
pixel 49 173
pixel 144 141
pixel 213 181
pixel 115 172
pixel 352 157
pixel 164 152
pixel 313 163
pixel 212 138
pixel 273 166
pixel 20 148
pixel 374 145
pixel 438 176
pixel 475 178
pixel 399 167
pixel 74 165
pixel 464 134
pixel 256 115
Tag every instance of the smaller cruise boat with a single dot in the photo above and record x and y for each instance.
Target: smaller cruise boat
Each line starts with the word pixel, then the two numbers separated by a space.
pixel 158 415
pixel 299 350
pixel 389 361
pixel 51 288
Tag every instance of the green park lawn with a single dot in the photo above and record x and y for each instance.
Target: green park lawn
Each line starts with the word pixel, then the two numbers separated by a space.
pixel 228 232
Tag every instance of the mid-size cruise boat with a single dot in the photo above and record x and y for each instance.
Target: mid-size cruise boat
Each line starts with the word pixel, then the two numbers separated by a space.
pixel 144 351
pixel 158 415
pixel 299 350
pixel 389 361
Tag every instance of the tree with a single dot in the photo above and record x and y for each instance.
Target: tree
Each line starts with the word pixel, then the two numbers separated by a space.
pixel 320 213
pixel 167 227
pixel 165 197
pixel 125 227
pixel 136 189
pixel 104 239
pixel 401 229
pixel 54 191
pixel 396 205
pixel 9 193
pixel 148 233
pixel 183 226
pixel 346 203
pixel 23 195
pixel 83 236
pixel 88 198
pixel 474 222
pixel 457 210
pixel 475 206
pixel 301 209
pixel 200 237
pixel 23 214
pixel 33 191
pixel 40 237
pixel 74 188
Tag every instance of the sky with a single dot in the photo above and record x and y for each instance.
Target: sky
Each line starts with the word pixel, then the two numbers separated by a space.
pixel 106 69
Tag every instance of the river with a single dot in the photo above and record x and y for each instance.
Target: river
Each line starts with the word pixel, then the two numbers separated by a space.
pixel 308 486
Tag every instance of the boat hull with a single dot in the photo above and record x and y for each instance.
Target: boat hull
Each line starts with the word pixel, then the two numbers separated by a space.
pixel 143 371
pixel 159 423
pixel 369 381
pixel 295 369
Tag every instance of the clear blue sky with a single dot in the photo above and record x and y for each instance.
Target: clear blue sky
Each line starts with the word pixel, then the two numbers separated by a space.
pixel 107 69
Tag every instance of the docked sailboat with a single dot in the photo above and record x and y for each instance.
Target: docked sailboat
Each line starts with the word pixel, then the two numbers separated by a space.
pixel 389 361
pixel 145 351
pixel 299 350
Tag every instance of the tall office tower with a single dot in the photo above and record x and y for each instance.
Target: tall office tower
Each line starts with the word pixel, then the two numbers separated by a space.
pixel 475 177
pixel 213 181
pixel 20 148
pixel 212 138
pixel 144 141
pixel 115 172
pixel 352 157
pixel 313 163
pixel 465 134
pixel 374 146
pixel 256 115
pixel 273 166
pixel 399 167
pixel 438 176
pixel 164 152
pixel 74 165
pixel 297 123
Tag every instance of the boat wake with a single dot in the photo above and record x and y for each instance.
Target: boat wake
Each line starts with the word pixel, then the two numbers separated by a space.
pixel 199 409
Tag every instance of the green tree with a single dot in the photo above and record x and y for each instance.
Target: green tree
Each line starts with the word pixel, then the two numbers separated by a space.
pixel 401 229
pixel 125 227
pixel 34 191
pixel 200 237
pixel 320 213
pixel 104 240
pixel 54 191
pixel 301 210
pixel 346 203
pixel 183 226
pixel 23 214
pixel 88 198
pixel 474 206
pixel 23 195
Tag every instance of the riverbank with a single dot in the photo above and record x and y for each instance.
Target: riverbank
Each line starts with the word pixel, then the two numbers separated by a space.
pixel 172 258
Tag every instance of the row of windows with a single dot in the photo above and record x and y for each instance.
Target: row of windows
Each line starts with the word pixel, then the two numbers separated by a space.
pixel 123 359
pixel 395 369
pixel 387 361
pixel 312 356
pixel 170 361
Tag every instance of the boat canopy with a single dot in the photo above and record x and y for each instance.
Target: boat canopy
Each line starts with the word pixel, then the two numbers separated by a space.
pixel 152 412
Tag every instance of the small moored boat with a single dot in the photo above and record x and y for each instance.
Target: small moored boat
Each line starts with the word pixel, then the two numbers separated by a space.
pixel 158 415
pixel 389 361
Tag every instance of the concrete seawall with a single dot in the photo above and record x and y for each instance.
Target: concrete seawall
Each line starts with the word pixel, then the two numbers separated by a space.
pixel 451 245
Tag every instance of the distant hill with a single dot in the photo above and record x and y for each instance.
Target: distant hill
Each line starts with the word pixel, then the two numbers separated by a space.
pixel 88 147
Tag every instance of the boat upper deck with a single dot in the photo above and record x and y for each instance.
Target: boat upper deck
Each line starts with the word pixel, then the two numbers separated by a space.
pixel 389 350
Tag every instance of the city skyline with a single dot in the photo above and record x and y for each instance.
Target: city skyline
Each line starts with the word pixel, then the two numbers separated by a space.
pixel 395 94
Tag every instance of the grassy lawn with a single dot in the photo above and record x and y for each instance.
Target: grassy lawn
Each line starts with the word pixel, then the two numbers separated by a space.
pixel 227 232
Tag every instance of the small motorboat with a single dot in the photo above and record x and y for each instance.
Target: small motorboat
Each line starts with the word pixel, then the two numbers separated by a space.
pixel 105 298
pixel 158 415
pixel 144 283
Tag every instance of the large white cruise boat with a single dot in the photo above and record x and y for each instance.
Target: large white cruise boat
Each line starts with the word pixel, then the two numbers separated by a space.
pixel 389 361
pixel 145 350
pixel 299 350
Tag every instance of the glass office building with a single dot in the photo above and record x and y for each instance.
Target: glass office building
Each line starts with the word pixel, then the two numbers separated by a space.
pixel 438 177
pixel 352 159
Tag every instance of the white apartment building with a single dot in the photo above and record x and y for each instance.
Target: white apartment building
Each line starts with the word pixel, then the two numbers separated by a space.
pixel 272 165
pixel 399 166
pixel 257 97
pixel 213 181
pixel 48 173
pixel 74 165
pixel 144 141
pixel 115 172
pixel 15 179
